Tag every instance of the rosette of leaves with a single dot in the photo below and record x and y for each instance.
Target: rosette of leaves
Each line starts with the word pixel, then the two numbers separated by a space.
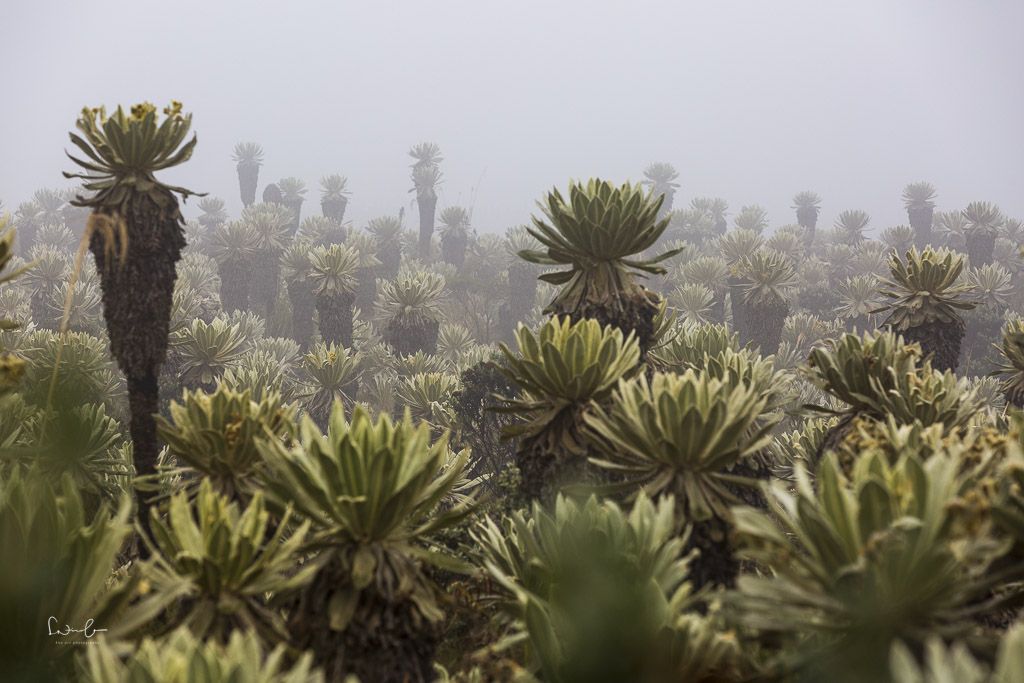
pixel 693 301
pixel 271 225
pixel 249 157
pixel 900 238
pixel 684 435
pixel 212 566
pixel 180 657
pixel 334 194
pixel 1011 368
pixel 69 369
pixel 409 307
pixel 849 226
pixel 293 194
pixel 332 374
pixel 428 397
pixel 599 593
pixel 859 563
pixel 371 489
pixel 213 436
pixel 691 344
pixel 387 231
pixel 233 246
pixel 983 221
pixel 296 268
pixel 599 234
pixel 925 300
pixel 333 276
pixel 50 268
pixel 83 442
pixel 808 206
pixel 878 376
pixel 204 350
pixel 767 279
pixel 558 371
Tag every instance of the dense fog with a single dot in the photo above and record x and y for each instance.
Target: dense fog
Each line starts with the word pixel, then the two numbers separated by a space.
pixel 751 101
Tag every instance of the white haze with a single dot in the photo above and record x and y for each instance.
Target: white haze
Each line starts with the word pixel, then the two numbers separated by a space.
pixel 752 101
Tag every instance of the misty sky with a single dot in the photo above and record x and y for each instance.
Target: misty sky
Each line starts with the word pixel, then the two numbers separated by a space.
pixel 752 101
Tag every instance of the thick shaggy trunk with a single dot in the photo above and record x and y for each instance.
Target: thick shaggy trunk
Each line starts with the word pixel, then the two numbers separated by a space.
pixel 737 306
pixel 940 339
pixel 980 248
pixel 453 248
pixel 920 218
pixel 248 179
pixel 390 257
pixel 336 318
pixel 385 641
pixel 807 218
pixel 235 278
pixel 427 202
pixel 137 299
pixel 762 325
pixel 296 209
pixel 303 301
pixel 637 316
pixel 366 292
pixel 39 305
pixel 265 285
pixel 408 338
pixel 334 209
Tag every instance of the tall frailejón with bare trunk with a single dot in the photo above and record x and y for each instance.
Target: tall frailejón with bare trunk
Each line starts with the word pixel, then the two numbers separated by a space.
pixel 135 233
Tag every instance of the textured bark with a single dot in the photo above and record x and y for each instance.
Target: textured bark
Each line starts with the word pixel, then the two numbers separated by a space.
pixel 407 339
pixel 940 339
pixel 303 301
pixel 248 179
pixel 980 248
pixel 336 318
pixel 762 325
pixel 272 194
pixel 366 292
pixel 637 316
pixel 386 641
pixel 296 209
pixel 390 257
pixel 737 305
pixel 807 218
pixel 334 208
pixel 235 279
pixel 265 283
pixel 427 203
pixel 453 248
pixel 137 298
pixel 920 218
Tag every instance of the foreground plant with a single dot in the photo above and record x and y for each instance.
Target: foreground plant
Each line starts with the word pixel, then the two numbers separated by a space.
pixel 214 435
pixel 136 237
pixel 558 372
pixel 180 657
pixel 683 435
pixel 213 565
pixel 602 594
pixel 57 563
pixel 598 233
pixel 861 563
pixel 372 489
